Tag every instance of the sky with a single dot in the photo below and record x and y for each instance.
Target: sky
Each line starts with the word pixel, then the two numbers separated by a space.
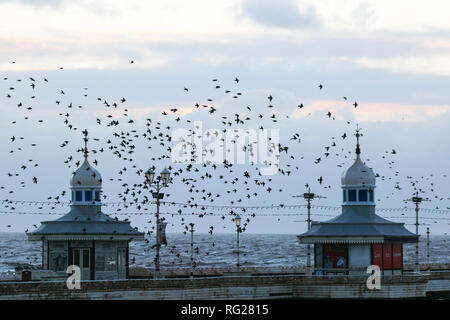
pixel 393 58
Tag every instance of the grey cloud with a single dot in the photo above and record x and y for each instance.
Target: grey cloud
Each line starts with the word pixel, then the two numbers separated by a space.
pixel 282 13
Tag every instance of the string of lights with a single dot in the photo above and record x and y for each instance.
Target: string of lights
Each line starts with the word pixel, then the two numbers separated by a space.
pixel 208 206
pixel 211 214
pixel 164 213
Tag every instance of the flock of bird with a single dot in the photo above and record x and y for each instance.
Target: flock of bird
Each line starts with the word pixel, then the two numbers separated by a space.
pixel 207 182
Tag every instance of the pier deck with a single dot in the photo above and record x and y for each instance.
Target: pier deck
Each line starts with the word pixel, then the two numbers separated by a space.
pixel 251 284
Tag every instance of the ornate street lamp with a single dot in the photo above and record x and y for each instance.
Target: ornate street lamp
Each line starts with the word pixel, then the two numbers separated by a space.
pixel 237 220
pixel 192 251
pixel 164 178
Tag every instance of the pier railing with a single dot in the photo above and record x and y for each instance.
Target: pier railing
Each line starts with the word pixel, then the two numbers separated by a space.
pixel 140 272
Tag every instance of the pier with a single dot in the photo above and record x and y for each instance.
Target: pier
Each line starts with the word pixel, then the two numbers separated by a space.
pixel 225 284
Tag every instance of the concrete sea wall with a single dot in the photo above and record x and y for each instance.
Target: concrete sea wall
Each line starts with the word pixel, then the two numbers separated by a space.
pixel 223 288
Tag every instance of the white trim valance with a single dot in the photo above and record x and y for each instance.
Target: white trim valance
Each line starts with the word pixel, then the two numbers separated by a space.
pixel 38 237
pixel 342 240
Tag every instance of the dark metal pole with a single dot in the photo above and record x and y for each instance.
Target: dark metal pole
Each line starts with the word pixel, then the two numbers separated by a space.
pixel 238 230
pixel 417 267
pixel 417 200
pixel 428 249
pixel 308 260
pixel 158 235
pixel 192 250
pixel 309 196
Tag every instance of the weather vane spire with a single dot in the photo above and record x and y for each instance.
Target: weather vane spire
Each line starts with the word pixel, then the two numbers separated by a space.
pixel 358 129
pixel 85 133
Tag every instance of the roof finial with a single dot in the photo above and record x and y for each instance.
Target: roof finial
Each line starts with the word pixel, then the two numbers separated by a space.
pixel 358 150
pixel 85 132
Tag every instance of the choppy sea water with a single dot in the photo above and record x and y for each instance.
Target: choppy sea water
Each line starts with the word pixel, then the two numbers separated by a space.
pixel 217 250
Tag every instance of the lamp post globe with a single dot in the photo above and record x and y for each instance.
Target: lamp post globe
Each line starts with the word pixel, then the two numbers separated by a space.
pixel 237 220
pixel 165 176
pixel 150 176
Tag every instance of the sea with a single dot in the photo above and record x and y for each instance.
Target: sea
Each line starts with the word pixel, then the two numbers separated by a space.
pixel 216 250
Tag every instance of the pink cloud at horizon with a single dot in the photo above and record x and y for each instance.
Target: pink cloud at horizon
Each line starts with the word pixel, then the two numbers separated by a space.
pixel 372 111
pixel 141 111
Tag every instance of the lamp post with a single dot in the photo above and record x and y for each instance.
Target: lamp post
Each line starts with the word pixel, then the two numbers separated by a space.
pixel 192 250
pixel 428 250
pixel 417 200
pixel 309 196
pixel 237 220
pixel 164 179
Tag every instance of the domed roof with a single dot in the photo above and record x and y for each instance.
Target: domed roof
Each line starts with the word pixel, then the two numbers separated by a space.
pixel 86 176
pixel 358 175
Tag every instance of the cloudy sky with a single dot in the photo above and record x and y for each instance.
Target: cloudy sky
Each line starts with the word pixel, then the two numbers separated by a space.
pixel 392 57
